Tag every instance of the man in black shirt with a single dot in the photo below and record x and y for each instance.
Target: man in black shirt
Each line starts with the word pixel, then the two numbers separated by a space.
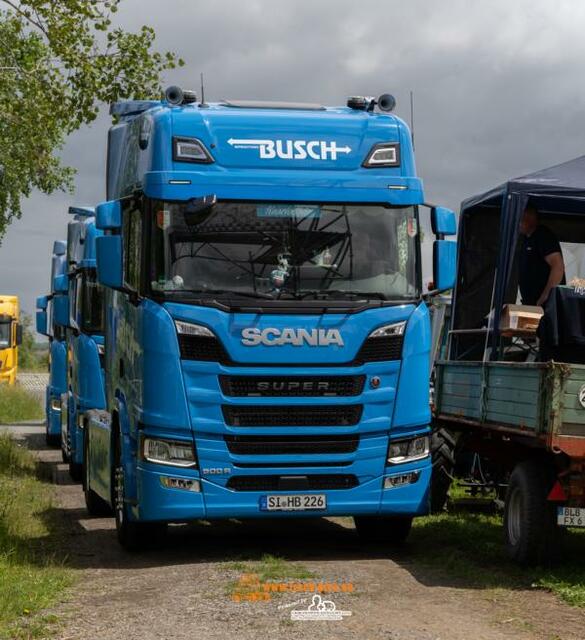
pixel 541 264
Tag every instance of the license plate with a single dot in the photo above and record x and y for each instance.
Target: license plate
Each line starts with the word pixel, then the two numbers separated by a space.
pixel 293 502
pixel 571 516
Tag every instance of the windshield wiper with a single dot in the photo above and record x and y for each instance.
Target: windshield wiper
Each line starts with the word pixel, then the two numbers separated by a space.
pixel 242 294
pixel 329 292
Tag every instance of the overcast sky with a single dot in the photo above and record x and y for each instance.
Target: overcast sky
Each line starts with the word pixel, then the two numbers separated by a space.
pixel 498 87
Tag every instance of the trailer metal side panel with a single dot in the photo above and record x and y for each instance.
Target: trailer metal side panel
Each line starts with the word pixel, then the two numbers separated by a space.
pixel 512 396
pixel 459 389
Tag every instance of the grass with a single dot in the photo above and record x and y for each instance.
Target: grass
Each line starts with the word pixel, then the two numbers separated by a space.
pixel 17 405
pixel 31 577
pixel 470 547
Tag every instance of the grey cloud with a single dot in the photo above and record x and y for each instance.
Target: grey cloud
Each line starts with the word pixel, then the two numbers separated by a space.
pixel 497 87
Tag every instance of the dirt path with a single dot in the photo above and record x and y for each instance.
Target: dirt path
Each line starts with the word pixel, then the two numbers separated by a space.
pixel 185 591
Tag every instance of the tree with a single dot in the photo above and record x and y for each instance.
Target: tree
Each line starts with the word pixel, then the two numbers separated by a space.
pixel 58 62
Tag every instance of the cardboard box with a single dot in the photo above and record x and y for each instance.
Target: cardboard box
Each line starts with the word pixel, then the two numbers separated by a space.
pixel 518 317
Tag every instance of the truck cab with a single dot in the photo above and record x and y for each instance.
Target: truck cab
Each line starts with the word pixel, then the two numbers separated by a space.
pixel 85 333
pixel 10 338
pixel 47 325
pixel 267 341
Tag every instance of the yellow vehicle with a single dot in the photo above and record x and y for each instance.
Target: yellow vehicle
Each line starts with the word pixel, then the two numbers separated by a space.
pixel 10 338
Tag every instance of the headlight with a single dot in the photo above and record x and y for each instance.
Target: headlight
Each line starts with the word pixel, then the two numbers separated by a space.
pixel 101 349
pixel 188 329
pixel 409 450
pixel 388 330
pixel 190 150
pixel 170 452
pixel 386 154
pixel 55 404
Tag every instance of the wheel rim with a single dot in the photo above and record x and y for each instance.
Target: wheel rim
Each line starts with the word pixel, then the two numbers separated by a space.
pixel 514 519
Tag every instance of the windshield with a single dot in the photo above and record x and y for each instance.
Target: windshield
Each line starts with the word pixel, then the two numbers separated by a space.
pixel 92 304
pixel 328 251
pixel 5 327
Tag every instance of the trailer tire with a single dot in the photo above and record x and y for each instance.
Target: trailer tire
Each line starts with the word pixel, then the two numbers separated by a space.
pixel 132 535
pixel 530 530
pixel 443 457
pixel 96 506
pixel 383 529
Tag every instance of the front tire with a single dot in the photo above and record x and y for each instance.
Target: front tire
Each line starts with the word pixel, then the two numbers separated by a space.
pixel 132 535
pixel 530 530
pixel 52 440
pixel 443 456
pixel 383 529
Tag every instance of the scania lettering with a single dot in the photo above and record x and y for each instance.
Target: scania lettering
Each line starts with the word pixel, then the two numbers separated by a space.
pixel 271 336
pixel 266 338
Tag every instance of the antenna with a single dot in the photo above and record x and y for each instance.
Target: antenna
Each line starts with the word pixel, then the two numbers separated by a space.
pixel 412 118
pixel 202 104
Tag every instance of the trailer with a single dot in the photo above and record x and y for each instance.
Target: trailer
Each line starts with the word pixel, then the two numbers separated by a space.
pixel 10 338
pixel 510 389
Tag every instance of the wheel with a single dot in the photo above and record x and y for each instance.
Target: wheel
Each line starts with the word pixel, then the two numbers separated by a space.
pixel 389 529
pixel 52 440
pixel 132 536
pixel 75 471
pixel 530 530
pixel 95 505
pixel 443 456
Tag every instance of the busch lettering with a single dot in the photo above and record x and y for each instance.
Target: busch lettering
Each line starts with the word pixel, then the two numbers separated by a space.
pixel 271 337
pixel 292 149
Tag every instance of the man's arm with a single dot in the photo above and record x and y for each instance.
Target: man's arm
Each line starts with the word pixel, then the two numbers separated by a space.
pixel 557 271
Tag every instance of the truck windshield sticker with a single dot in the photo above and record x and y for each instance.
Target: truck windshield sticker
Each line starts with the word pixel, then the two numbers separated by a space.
pixel 299 212
pixel 292 149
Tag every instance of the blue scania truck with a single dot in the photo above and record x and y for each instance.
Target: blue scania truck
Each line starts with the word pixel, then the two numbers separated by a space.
pixel 267 339
pixel 47 325
pixel 85 334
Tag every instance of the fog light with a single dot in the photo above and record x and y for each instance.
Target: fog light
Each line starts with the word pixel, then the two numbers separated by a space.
pixel 401 480
pixel 180 483
pixel 80 420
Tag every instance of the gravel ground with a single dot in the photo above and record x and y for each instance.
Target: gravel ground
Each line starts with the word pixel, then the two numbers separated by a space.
pixel 184 591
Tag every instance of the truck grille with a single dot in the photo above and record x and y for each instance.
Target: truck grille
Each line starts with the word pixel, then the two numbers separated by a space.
pixel 201 348
pixel 291 386
pixel 212 350
pixel 281 445
pixel 320 482
pixel 307 416
pixel 380 349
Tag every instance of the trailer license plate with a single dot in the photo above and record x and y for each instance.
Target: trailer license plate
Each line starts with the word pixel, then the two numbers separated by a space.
pixel 571 516
pixel 293 502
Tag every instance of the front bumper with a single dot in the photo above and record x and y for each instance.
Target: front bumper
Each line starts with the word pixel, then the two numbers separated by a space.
pixel 156 502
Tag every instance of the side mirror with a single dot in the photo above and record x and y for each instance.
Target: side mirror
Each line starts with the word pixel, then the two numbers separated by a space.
pixel 19 334
pixel 109 215
pixel 59 248
pixel 61 310
pixel 61 284
pixel 109 261
pixel 444 264
pixel 41 316
pixel 443 222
